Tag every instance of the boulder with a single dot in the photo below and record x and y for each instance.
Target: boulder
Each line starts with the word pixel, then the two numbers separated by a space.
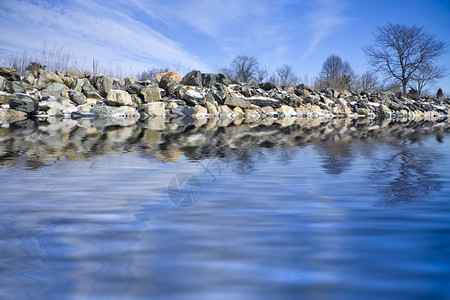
pixel 15 87
pixel 267 86
pixel 193 97
pixel 193 78
pixel 233 101
pixel 9 74
pixel 171 76
pixel 209 80
pixel 135 88
pixel 154 108
pixel 104 85
pixel 12 115
pixel 150 94
pixel 77 97
pixel 46 78
pixel 129 81
pixel 24 97
pixel 78 74
pixel 119 98
pixel 25 105
pixel 29 79
pixel 53 89
pixel 88 90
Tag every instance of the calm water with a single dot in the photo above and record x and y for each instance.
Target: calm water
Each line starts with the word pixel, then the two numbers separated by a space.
pixel 315 210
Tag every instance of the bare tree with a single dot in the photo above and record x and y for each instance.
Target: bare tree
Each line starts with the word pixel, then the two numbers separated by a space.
pixel 399 51
pixel 336 74
pixel 426 75
pixel 286 76
pixel 368 82
pixel 244 68
pixel 262 74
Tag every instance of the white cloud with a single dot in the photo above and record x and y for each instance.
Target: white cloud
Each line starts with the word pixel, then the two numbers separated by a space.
pixel 323 20
pixel 92 30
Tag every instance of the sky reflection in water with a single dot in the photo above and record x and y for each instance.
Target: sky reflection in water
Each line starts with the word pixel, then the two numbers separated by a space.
pixel 309 210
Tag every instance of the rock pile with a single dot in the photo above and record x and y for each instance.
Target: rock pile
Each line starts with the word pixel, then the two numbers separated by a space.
pixel 80 95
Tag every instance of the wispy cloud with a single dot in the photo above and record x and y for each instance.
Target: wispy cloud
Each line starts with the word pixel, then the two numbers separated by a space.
pixel 90 29
pixel 323 20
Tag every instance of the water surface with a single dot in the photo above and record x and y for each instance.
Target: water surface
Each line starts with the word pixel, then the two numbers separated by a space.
pixel 332 209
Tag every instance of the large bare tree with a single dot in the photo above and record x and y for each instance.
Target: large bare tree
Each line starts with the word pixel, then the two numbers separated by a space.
pixel 400 51
pixel 336 74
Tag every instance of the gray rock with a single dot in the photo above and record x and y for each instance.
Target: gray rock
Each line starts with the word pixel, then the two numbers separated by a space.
pixel 184 110
pixel 24 97
pixel 46 78
pixel 104 85
pixel 193 97
pixel 53 89
pixel 135 88
pixel 267 86
pixel 209 80
pixel 119 98
pixel 193 78
pixel 218 96
pixel 26 105
pixel 15 87
pixel 89 91
pixel 246 91
pixel 9 74
pixel 77 97
pixel 209 97
pixel 262 102
pixel 168 84
pixel 233 101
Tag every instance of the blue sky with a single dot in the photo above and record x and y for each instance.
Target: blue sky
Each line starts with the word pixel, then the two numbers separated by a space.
pixel 207 34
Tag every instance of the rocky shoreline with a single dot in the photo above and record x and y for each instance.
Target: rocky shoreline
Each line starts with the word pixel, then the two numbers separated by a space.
pixel 195 97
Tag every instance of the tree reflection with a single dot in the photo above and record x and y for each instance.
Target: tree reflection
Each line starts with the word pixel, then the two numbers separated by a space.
pixel 405 177
pixel 337 157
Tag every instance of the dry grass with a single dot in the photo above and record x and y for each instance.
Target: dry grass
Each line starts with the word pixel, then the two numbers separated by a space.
pixel 59 59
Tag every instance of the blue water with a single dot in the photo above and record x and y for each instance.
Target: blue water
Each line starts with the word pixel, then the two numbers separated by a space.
pixel 348 218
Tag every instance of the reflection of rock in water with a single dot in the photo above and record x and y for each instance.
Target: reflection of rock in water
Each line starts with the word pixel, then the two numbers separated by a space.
pixel 405 176
pixel 71 140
